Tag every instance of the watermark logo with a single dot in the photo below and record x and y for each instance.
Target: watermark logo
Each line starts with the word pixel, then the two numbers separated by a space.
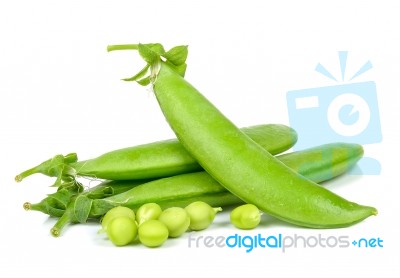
pixel 340 113
pixel 281 242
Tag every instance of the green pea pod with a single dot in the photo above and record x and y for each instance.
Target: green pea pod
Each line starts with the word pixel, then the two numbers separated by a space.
pixel 323 162
pixel 181 190
pixel 240 165
pixel 154 160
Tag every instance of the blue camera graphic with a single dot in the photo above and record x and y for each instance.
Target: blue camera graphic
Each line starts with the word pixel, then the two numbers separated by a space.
pixel 340 113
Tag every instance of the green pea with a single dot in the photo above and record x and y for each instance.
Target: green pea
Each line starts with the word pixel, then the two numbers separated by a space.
pixel 122 230
pixel 153 233
pixel 246 217
pixel 116 212
pixel 149 211
pixel 201 215
pixel 176 219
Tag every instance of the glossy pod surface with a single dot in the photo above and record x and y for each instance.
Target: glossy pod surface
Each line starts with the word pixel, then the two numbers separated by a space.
pixel 154 160
pixel 182 190
pixel 324 162
pixel 168 157
pixel 242 166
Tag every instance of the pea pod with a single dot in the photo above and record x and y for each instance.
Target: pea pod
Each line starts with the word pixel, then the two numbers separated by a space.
pixel 153 160
pixel 182 190
pixel 237 162
pixel 323 162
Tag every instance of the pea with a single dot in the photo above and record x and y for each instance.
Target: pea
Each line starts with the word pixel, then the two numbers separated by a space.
pixel 116 212
pixel 149 211
pixel 201 215
pixel 176 219
pixel 153 233
pixel 122 230
pixel 246 217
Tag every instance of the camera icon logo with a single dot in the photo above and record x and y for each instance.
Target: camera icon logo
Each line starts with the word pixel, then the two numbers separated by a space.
pixel 341 113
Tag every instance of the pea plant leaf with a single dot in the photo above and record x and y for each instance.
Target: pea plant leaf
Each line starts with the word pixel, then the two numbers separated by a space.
pixel 82 206
pixel 101 193
pixel 148 54
pixel 68 173
pixel 145 81
pixel 177 55
pixel 153 54
pixel 61 198
pixel 157 48
pixel 71 185
pixel 52 211
pixel 139 75
pixel 181 69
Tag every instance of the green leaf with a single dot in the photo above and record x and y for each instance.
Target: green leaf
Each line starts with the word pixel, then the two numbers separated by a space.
pixel 181 69
pixel 101 206
pixel 147 54
pixel 55 167
pixel 100 193
pixel 71 158
pixel 157 48
pixel 68 173
pixel 71 185
pixel 51 211
pixel 82 208
pixel 145 81
pixel 61 198
pixel 177 55
pixel 139 75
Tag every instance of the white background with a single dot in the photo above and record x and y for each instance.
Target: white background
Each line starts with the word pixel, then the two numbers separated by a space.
pixel 60 92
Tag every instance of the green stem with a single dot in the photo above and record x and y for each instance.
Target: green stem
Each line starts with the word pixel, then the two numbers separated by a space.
pixel 45 207
pixel 72 214
pixel 27 173
pixel 60 224
pixel 53 167
pixel 122 47
pixel 37 207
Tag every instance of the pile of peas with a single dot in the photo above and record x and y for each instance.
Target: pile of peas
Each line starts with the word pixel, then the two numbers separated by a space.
pixel 153 226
